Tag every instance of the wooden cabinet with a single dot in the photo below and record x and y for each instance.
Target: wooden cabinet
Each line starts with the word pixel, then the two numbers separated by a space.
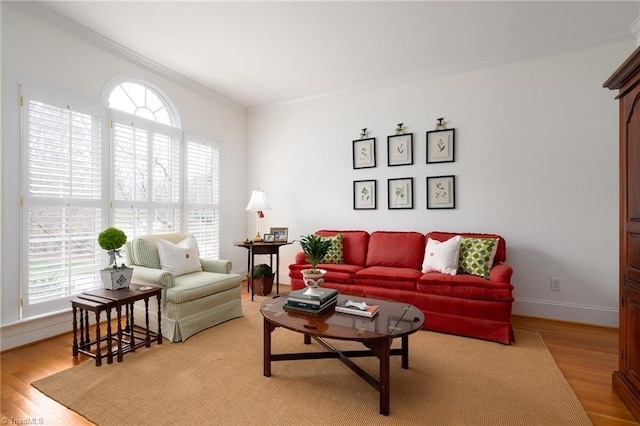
pixel 626 381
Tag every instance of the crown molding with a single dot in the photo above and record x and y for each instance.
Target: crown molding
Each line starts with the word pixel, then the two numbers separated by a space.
pixel 41 13
pixel 449 70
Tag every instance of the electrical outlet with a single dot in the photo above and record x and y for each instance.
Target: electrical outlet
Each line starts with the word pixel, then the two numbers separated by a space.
pixel 555 284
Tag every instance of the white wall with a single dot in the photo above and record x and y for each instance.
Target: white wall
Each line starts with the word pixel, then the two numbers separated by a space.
pixel 44 54
pixel 536 161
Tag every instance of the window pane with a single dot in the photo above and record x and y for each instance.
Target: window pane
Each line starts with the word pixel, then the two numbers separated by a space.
pixel 166 168
pixel 166 221
pixel 132 221
pixel 205 226
pixel 64 258
pixel 131 169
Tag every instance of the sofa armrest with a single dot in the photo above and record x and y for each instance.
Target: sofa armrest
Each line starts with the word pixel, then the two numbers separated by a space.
pixel 301 258
pixel 216 265
pixel 501 273
pixel 158 277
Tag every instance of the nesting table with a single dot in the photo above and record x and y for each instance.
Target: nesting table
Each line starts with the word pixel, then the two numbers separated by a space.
pixel 128 337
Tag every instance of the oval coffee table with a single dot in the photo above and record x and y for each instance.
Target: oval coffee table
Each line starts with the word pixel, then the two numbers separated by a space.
pixel 393 320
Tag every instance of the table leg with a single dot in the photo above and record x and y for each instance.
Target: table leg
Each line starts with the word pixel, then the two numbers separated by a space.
pixel 159 320
pixel 75 331
pixel 98 350
pixel 146 319
pixel 385 354
pixel 132 334
pixel 278 270
pixel 251 272
pixel 267 328
pixel 119 315
pixel 405 351
pixel 109 351
pixel 87 338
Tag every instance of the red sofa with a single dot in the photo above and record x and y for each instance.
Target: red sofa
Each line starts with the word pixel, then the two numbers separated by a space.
pixel 387 265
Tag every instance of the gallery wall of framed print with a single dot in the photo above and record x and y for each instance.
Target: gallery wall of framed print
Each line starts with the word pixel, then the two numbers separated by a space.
pixel 441 192
pixel 400 150
pixel 440 146
pixel 400 193
pixel 364 153
pixel 280 235
pixel 364 194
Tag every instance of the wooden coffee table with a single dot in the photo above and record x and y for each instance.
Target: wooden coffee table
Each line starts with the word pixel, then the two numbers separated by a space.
pixel 392 321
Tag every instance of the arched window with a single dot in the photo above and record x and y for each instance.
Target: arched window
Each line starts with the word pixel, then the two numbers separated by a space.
pixel 143 101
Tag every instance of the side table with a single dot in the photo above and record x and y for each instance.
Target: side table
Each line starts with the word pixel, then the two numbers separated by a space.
pixel 257 248
pixel 85 343
pixel 126 297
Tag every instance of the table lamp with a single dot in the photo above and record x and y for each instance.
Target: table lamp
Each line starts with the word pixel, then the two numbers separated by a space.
pixel 258 203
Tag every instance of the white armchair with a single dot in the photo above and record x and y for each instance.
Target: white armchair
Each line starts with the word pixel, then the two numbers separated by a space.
pixel 191 302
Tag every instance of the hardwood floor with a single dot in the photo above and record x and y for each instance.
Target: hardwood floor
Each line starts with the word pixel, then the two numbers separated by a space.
pixel 587 355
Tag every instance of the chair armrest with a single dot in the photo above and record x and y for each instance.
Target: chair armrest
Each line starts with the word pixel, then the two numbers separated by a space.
pixel 501 273
pixel 144 275
pixel 216 265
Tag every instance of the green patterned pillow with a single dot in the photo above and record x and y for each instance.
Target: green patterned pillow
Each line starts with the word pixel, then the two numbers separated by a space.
pixel 335 254
pixel 476 255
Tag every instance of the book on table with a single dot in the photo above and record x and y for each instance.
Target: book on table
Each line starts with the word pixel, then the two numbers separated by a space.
pixel 357 307
pixel 322 297
pixel 309 308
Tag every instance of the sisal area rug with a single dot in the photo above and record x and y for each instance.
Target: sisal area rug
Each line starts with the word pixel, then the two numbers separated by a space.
pixel 215 377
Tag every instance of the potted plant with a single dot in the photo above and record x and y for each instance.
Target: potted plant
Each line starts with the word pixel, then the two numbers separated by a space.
pixel 315 248
pixel 114 277
pixel 262 279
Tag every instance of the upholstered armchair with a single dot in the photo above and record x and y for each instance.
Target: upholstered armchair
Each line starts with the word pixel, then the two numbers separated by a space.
pixel 197 293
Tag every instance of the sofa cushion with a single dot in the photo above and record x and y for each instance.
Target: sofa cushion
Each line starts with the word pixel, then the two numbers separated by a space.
pixel 501 252
pixel 464 286
pixel 335 273
pixel 336 251
pixel 396 249
pixel 200 284
pixel 387 277
pixel 476 255
pixel 442 256
pixel 354 245
pixel 181 258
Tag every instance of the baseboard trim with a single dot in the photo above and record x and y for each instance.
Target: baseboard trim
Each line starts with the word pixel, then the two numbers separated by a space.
pixel 573 312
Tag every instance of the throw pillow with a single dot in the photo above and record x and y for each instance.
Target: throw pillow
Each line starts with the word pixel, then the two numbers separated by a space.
pixel 476 255
pixel 442 256
pixel 336 251
pixel 181 258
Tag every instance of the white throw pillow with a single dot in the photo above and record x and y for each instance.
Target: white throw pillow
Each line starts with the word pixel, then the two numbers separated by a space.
pixel 181 258
pixel 442 256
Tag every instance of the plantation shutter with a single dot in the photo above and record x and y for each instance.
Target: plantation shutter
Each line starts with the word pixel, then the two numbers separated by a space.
pixel 62 194
pixel 203 192
pixel 147 183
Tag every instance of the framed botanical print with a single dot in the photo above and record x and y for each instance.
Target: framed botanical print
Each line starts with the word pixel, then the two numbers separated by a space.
pixel 400 149
pixel 364 194
pixel 364 153
pixel 400 193
pixel 440 146
pixel 441 192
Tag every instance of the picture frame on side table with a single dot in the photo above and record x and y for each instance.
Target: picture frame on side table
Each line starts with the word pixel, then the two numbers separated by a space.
pixel 400 193
pixel 280 235
pixel 400 150
pixel 268 238
pixel 365 194
pixel 441 192
pixel 364 153
pixel 441 146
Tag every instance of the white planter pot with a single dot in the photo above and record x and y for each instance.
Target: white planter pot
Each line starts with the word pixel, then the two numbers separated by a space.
pixel 115 279
pixel 313 281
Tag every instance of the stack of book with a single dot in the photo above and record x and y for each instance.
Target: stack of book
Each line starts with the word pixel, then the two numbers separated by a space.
pixel 299 301
pixel 357 307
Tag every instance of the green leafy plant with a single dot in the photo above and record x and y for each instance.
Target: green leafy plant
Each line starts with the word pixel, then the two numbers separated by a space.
pixel 111 239
pixel 315 248
pixel 262 270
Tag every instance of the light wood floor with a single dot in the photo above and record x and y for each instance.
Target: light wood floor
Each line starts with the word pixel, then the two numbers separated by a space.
pixel 587 356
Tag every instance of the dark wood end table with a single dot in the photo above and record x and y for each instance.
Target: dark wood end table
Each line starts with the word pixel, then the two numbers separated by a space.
pixel 257 248
pixel 392 321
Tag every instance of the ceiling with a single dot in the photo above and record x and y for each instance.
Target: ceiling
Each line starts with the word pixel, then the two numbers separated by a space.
pixel 263 53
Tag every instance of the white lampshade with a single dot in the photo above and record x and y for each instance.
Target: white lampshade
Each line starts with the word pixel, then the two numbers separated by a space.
pixel 258 201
